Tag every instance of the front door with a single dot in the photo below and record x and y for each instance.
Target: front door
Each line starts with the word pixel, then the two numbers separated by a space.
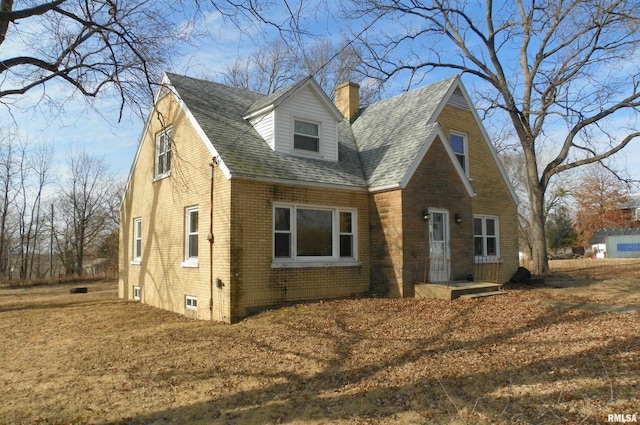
pixel 439 261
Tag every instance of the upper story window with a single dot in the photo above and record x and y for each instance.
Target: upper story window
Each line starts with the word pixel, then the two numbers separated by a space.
pixel 137 240
pixel 163 153
pixel 304 234
pixel 458 143
pixel 485 236
pixel 306 136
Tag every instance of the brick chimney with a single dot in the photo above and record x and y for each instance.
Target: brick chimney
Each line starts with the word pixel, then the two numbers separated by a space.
pixel 348 99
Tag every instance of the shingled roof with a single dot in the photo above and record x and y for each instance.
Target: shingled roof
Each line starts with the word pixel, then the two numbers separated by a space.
pixel 218 110
pixel 377 150
pixel 391 133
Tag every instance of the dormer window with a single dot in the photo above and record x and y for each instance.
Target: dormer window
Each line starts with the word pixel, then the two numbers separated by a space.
pixel 306 136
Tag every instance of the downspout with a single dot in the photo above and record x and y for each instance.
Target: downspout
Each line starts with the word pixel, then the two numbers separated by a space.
pixel 210 237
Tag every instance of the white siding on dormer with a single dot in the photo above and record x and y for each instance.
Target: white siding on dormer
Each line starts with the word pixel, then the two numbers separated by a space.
pixel 264 125
pixel 305 106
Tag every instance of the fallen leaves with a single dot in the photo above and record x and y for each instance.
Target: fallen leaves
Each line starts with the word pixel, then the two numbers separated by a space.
pixel 508 359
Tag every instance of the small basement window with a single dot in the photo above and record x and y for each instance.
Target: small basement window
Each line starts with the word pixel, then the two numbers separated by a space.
pixel 191 302
pixel 136 293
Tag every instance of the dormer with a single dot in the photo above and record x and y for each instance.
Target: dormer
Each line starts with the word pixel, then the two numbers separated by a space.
pixel 300 120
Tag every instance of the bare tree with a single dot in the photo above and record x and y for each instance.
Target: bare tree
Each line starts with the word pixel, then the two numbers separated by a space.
pixel 279 64
pixel 124 45
pixel 563 72
pixel 35 175
pixel 84 209
pixel 267 70
pixel 9 180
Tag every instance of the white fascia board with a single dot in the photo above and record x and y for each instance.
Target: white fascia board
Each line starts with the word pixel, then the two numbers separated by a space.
pixel 260 112
pixel 439 134
pixel 203 136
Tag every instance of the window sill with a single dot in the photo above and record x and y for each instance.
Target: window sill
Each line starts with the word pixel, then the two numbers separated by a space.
pixel 136 262
pixel 313 264
pixel 161 176
pixel 193 264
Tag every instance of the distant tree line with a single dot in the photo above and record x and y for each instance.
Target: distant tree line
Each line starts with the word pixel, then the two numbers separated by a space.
pixel 55 220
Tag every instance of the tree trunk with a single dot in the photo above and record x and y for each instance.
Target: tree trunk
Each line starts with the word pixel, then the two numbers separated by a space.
pixel 539 259
pixel 536 189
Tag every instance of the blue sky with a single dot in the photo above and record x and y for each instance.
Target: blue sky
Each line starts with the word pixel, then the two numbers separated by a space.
pixel 97 131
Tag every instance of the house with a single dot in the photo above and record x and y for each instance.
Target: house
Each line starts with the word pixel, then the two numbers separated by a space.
pixel 238 201
pixel 632 209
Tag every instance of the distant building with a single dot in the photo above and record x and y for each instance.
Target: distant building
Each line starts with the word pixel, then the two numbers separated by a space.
pixel 633 207
pixel 616 243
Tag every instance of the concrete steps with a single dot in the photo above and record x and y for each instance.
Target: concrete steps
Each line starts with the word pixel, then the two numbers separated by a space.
pixel 482 294
pixel 453 290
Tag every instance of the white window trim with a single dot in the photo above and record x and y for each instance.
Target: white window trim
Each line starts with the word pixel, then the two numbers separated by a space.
pixel 137 256
pixel 486 259
pixel 137 289
pixel 164 132
pixel 465 147
pixel 304 152
pixel 190 261
pixel 326 261
pixel 189 301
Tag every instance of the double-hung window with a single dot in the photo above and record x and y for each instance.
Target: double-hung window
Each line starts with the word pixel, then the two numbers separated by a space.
pixel 458 142
pixel 163 153
pixel 191 237
pixel 485 236
pixel 313 234
pixel 306 136
pixel 137 240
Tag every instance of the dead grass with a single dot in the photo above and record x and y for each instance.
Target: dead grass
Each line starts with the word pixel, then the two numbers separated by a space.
pixel 92 358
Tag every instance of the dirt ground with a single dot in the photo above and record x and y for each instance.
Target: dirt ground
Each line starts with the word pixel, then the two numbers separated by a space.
pixel 566 352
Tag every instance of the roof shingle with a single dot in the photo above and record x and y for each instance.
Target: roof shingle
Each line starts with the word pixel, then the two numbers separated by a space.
pixel 376 150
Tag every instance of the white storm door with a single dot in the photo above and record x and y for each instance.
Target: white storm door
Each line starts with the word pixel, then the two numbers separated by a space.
pixel 439 264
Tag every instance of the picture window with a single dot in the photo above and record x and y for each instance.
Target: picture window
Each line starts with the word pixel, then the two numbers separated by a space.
pixel 302 233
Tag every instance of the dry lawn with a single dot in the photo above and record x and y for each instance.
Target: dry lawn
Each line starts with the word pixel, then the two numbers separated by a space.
pixel 562 353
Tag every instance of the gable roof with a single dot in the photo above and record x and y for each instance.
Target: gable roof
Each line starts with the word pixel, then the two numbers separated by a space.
pixel 393 136
pixel 390 134
pixel 270 102
pixel 217 112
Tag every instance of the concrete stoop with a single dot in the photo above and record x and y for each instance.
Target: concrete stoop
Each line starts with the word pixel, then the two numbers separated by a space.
pixel 453 290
